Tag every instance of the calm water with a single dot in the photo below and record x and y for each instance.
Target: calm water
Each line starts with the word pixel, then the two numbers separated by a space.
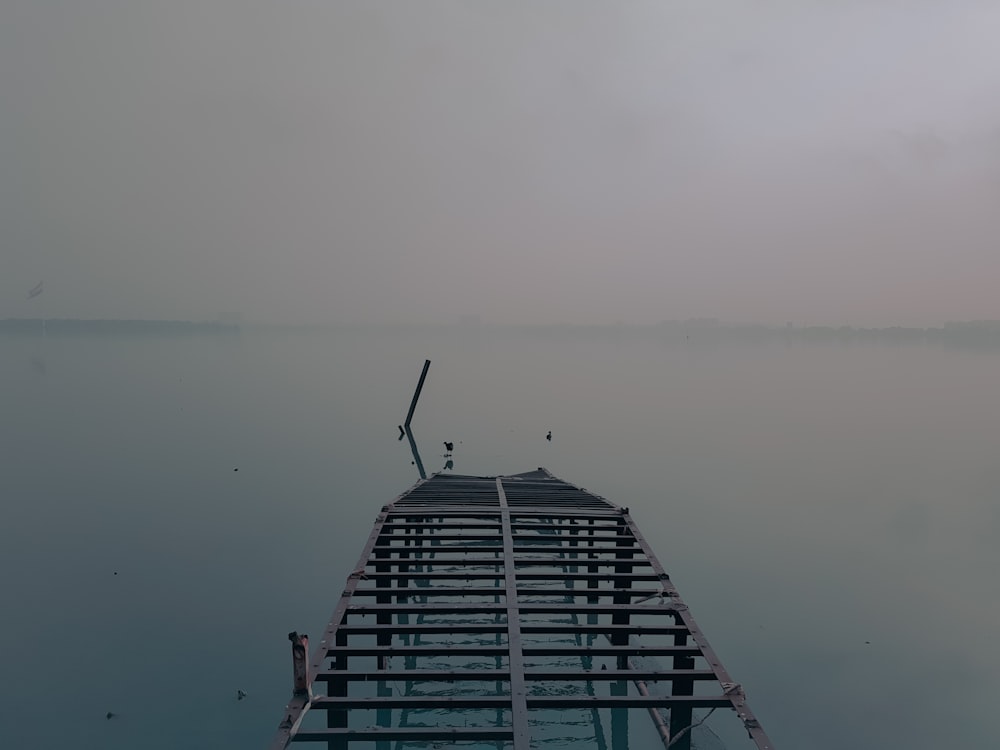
pixel 830 512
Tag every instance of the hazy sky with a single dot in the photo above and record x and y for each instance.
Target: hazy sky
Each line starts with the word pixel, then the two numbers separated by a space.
pixel 821 161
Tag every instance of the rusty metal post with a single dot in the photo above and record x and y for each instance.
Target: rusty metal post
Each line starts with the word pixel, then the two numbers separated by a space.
pixel 300 663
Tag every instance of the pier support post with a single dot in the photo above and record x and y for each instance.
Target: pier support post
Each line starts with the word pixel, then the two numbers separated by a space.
pixel 383 582
pixel 681 717
pixel 337 719
pixel 622 584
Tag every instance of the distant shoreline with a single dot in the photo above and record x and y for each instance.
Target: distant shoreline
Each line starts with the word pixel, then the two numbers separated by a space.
pixel 73 326
pixel 696 330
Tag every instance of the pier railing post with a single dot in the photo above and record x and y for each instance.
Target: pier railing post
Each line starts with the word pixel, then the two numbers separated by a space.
pixel 300 663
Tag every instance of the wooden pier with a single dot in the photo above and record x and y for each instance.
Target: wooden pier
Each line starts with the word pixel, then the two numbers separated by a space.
pixel 480 604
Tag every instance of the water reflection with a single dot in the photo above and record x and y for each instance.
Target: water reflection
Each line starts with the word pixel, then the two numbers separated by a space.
pixel 416 453
pixel 449 463
pixel 38 364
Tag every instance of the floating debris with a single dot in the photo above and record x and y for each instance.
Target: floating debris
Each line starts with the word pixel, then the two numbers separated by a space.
pixel 241 694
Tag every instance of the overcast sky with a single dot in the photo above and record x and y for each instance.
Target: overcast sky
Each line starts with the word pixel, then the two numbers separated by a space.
pixel 818 161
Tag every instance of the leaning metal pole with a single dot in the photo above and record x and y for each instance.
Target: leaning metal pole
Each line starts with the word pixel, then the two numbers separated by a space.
pixel 416 393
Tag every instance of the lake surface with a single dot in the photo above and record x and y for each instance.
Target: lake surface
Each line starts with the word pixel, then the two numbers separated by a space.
pixel 829 511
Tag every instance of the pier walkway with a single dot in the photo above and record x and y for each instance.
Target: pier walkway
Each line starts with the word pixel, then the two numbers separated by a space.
pixel 483 609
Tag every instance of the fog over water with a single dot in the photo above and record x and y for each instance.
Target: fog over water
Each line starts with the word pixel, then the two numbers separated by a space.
pixel 828 510
pixel 819 162
pixel 509 181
